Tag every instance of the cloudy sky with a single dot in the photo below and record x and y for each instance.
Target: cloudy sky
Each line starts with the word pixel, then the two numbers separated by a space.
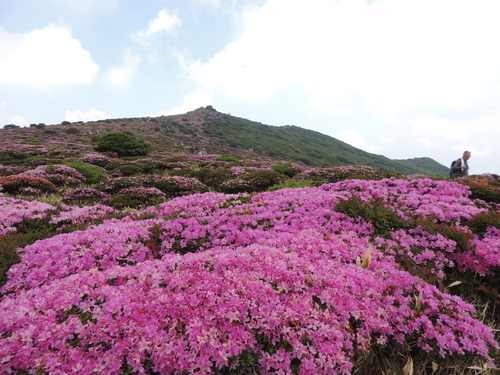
pixel 400 78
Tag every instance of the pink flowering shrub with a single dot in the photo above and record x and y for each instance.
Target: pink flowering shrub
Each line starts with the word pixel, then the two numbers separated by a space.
pixel 484 256
pixel 18 151
pixel 253 181
pixel 81 215
pixel 10 170
pixel 85 196
pixel 329 175
pixel 13 212
pixel 220 310
pixel 271 282
pixel 98 159
pixel 58 174
pixel 174 186
pixel 114 185
pixel 485 187
pixel 16 184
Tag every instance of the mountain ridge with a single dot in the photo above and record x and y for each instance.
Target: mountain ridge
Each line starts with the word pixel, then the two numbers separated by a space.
pixel 205 130
pixel 291 142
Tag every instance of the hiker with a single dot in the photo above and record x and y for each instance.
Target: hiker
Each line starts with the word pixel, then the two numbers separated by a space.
pixel 460 167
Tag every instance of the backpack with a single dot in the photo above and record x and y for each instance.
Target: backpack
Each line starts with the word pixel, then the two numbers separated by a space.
pixel 453 164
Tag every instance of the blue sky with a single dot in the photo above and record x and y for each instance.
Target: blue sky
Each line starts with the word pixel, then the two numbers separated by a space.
pixel 400 78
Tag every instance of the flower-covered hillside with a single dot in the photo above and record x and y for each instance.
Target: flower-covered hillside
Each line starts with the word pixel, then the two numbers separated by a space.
pixel 343 278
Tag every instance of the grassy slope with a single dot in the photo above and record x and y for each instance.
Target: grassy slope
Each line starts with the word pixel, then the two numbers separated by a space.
pixel 309 147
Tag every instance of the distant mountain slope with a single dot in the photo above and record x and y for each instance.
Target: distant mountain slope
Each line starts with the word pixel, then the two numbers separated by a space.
pixel 218 133
pixel 307 146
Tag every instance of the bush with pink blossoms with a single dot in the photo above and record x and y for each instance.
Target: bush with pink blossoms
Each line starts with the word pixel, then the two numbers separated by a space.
pixel 98 159
pixel 485 187
pixel 329 175
pixel 81 215
pixel 253 181
pixel 85 196
pixel 175 186
pixel 10 170
pixel 58 174
pixel 260 307
pixel 265 283
pixel 16 184
pixel 13 212
pixel 114 185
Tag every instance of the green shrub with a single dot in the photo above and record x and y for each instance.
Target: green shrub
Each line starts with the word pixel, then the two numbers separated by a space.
pixel 92 174
pixel 230 158
pixel 396 175
pixel 255 181
pixel 72 131
pixel 461 236
pixel 123 144
pixel 50 131
pixel 286 168
pixel 34 142
pixel 263 179
pixel 481 188
pixel 174 186
pixel 211 178
pixel 291 184
pixel 129 169
pixel 112 165
pixel 136 198
pixel 383 219
pixel 480 223
pixel 31 231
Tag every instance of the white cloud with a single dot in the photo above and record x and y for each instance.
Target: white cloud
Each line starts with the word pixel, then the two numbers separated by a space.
pixel 192 101
pixel 396 55
pixel 44 58
pixel 354 138
pixel 164 23
pixel 16 120
pixel 120 77
pixel 6 119
pixel 91 115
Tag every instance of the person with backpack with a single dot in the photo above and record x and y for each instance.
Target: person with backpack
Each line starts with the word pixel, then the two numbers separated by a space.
pixel 460 167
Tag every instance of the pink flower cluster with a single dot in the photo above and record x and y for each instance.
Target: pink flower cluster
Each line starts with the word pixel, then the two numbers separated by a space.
pixel 212 281
pixel 84 194
pixel 96 159
pixel 81 215
pixel 10 170
pixel 58 174
pixel 13 212
pixel 338 173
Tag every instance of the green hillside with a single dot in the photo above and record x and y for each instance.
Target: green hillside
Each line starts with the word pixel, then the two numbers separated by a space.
pixel 307 146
